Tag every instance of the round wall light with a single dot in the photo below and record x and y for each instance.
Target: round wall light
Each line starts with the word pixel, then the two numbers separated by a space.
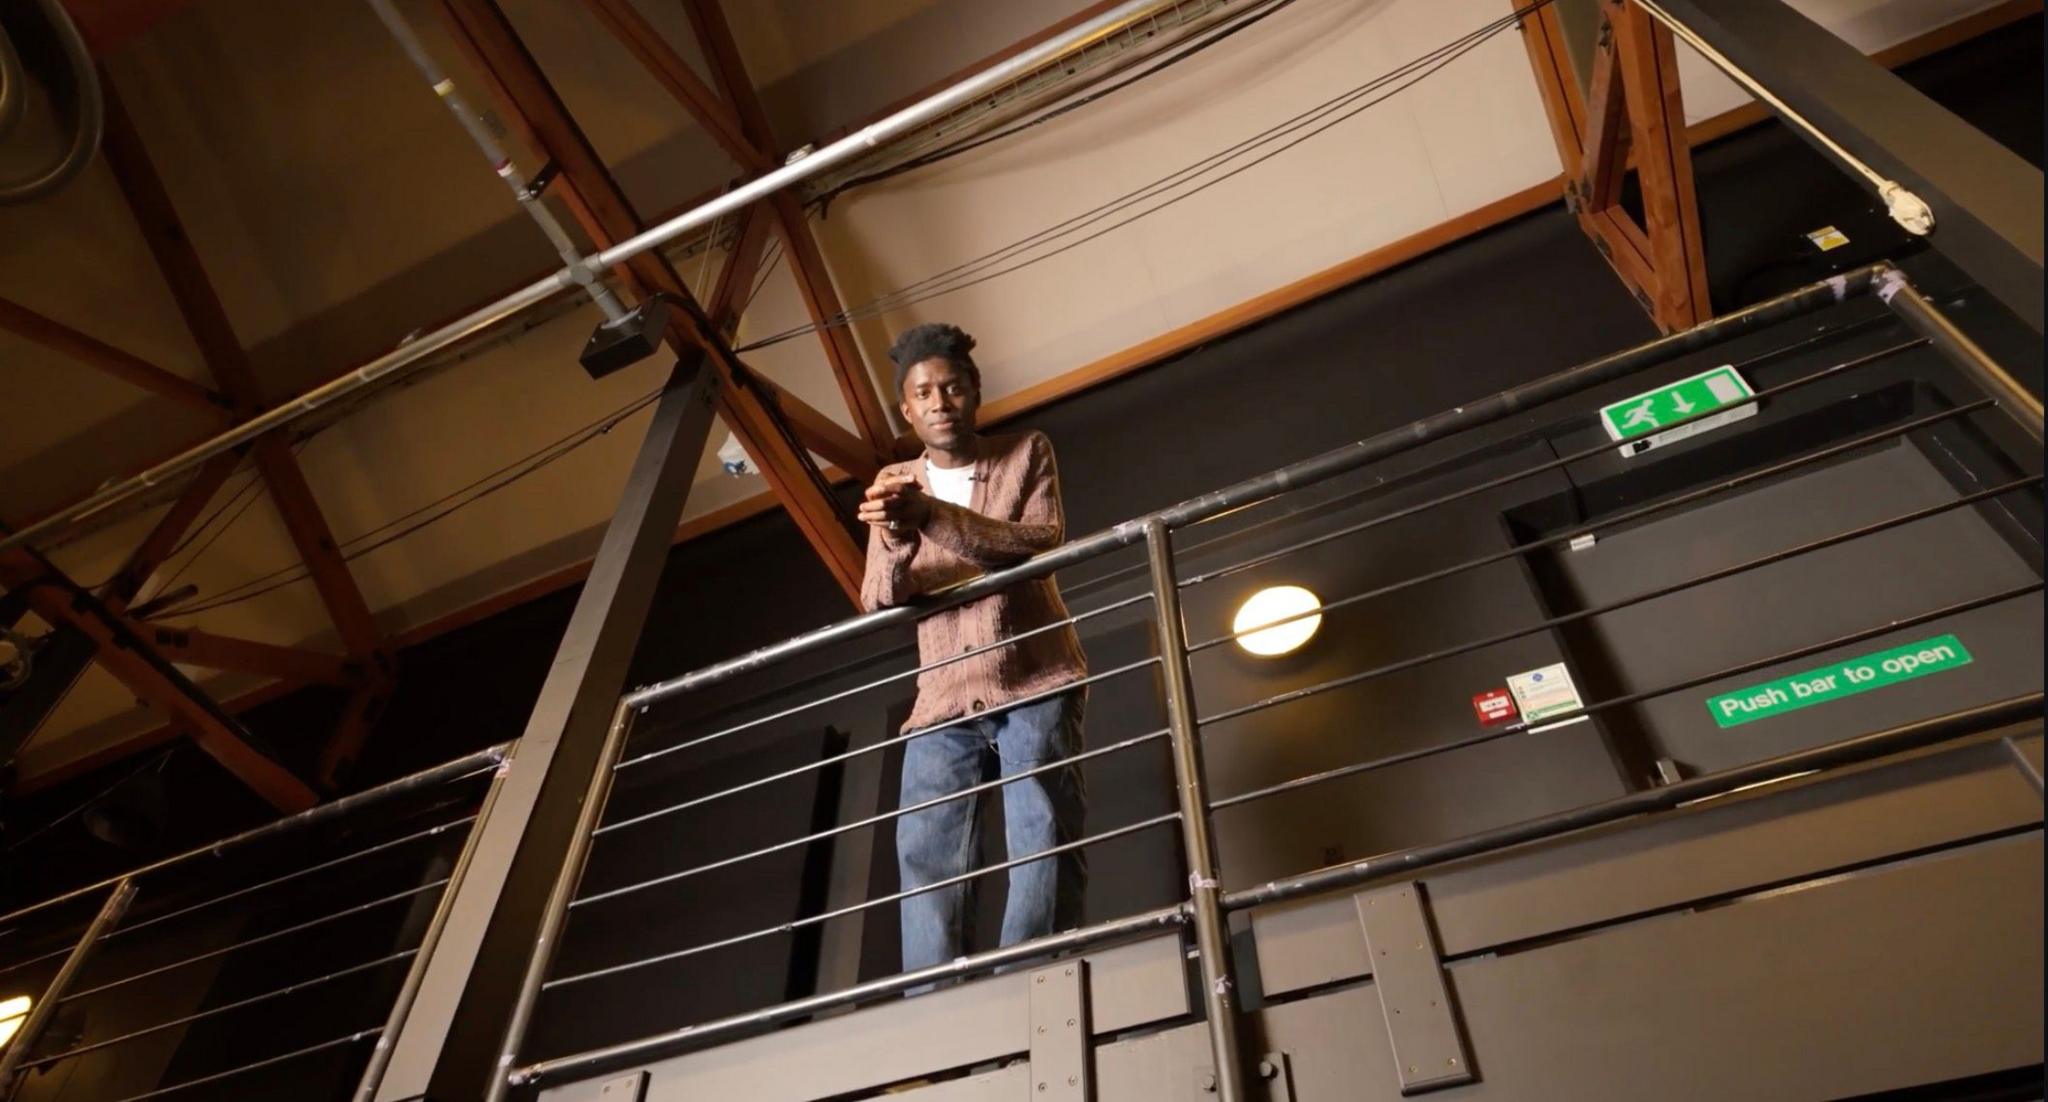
pixel 1271 604
pixel 13 1012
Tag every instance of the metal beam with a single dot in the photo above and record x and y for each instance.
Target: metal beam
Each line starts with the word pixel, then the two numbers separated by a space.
pixel 446 1047
pixel 1987 201
pixel 494 41
pixel 101 356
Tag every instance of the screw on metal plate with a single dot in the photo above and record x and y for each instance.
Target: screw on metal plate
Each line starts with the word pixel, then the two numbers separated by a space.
pixel 1208 1082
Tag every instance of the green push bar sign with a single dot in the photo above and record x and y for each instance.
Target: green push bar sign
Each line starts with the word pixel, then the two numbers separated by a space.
pixel 1828 683
pixel 1644 421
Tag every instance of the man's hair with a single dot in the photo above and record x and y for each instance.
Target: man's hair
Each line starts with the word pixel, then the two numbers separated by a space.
pixel 933 341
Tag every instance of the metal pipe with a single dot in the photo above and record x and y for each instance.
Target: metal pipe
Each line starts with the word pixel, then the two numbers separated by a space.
pixel 897 897
pixel 432 777
pixel 1913 308
pixel 86 130
pixel 1909 736
pixel 45 1008
pixel 904 674
pixel 267 1061
pixel 1625 516
pixel 409 989
pixel 871 748
pixel 1490 484
pixel 238 1004
pixel 259 939
pixel 1485 411
pixel 694 1036
pixel 857 824
pixel 1630 601
pixel 1523 726
pixel 578 272
pixel 397 361
pixel 1212 937
pixel 556 914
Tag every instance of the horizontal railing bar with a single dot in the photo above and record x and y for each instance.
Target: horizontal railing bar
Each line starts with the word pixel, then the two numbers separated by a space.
pixel 255 1065
pixel 898 740
pixel 1629 601
pixel 899 676
pixel 897 897
pixel 1523 726
pixel 998 709
pixel 1484 411
pixel 1625 516
pixel 123 931
pixel 258 939
pixel 214 1011
pixel 872 820
pixel 467 765
pixel 1541 468
pixel 694 1036
pixel 1909 736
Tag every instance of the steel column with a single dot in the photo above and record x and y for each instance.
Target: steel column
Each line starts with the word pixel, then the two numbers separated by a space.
pixel 1987 202
pixel 1212 940
pixel 46 1007
pixel 409 990
pixel 557 911
pixel 446 1046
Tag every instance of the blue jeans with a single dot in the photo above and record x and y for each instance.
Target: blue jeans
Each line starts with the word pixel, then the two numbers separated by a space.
pixel 1039 812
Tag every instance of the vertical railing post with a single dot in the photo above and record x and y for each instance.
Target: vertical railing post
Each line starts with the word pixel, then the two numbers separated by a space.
pixel 45 1007
pixel 1924 318
pixel 559 897
pixel 409 991
pixel 1212 941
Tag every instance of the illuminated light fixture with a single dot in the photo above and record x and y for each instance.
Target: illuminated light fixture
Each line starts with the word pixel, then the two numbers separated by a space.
pixel 13 1012
pixel 1272 604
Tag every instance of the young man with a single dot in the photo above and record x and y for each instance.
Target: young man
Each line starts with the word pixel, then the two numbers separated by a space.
pixel 972 504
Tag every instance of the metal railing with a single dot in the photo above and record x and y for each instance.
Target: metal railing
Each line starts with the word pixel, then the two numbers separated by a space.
pixel 76 984
pixel 1205 906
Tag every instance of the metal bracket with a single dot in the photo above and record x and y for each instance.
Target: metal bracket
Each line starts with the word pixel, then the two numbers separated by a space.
pixel 625 1088
pixel 1275 1082
pixel 1429 1048
pixel 1059 1032
pixel 631 1087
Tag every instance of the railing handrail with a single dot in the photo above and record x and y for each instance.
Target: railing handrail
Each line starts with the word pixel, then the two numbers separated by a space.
pixel 1495 407
pixel 430 777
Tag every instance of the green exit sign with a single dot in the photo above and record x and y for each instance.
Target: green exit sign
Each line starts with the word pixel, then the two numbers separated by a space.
pixel 1646 420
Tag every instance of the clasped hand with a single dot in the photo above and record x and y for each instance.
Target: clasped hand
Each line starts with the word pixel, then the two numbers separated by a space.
pixel 895 502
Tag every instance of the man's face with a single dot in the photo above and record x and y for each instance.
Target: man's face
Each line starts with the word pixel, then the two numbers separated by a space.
pixel 939 401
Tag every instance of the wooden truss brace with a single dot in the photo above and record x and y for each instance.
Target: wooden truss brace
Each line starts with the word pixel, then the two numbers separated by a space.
pixel 369 664
pixel 601 206
pixel 1631 117
pixel 740 126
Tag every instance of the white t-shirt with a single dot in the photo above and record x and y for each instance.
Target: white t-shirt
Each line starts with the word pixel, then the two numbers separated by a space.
pixel 953 485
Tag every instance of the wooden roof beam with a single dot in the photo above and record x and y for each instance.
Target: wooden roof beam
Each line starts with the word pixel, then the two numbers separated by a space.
pixel 103 357
pixel 673 73
pixel 124 653
pixel 492 39
pixel 806 261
